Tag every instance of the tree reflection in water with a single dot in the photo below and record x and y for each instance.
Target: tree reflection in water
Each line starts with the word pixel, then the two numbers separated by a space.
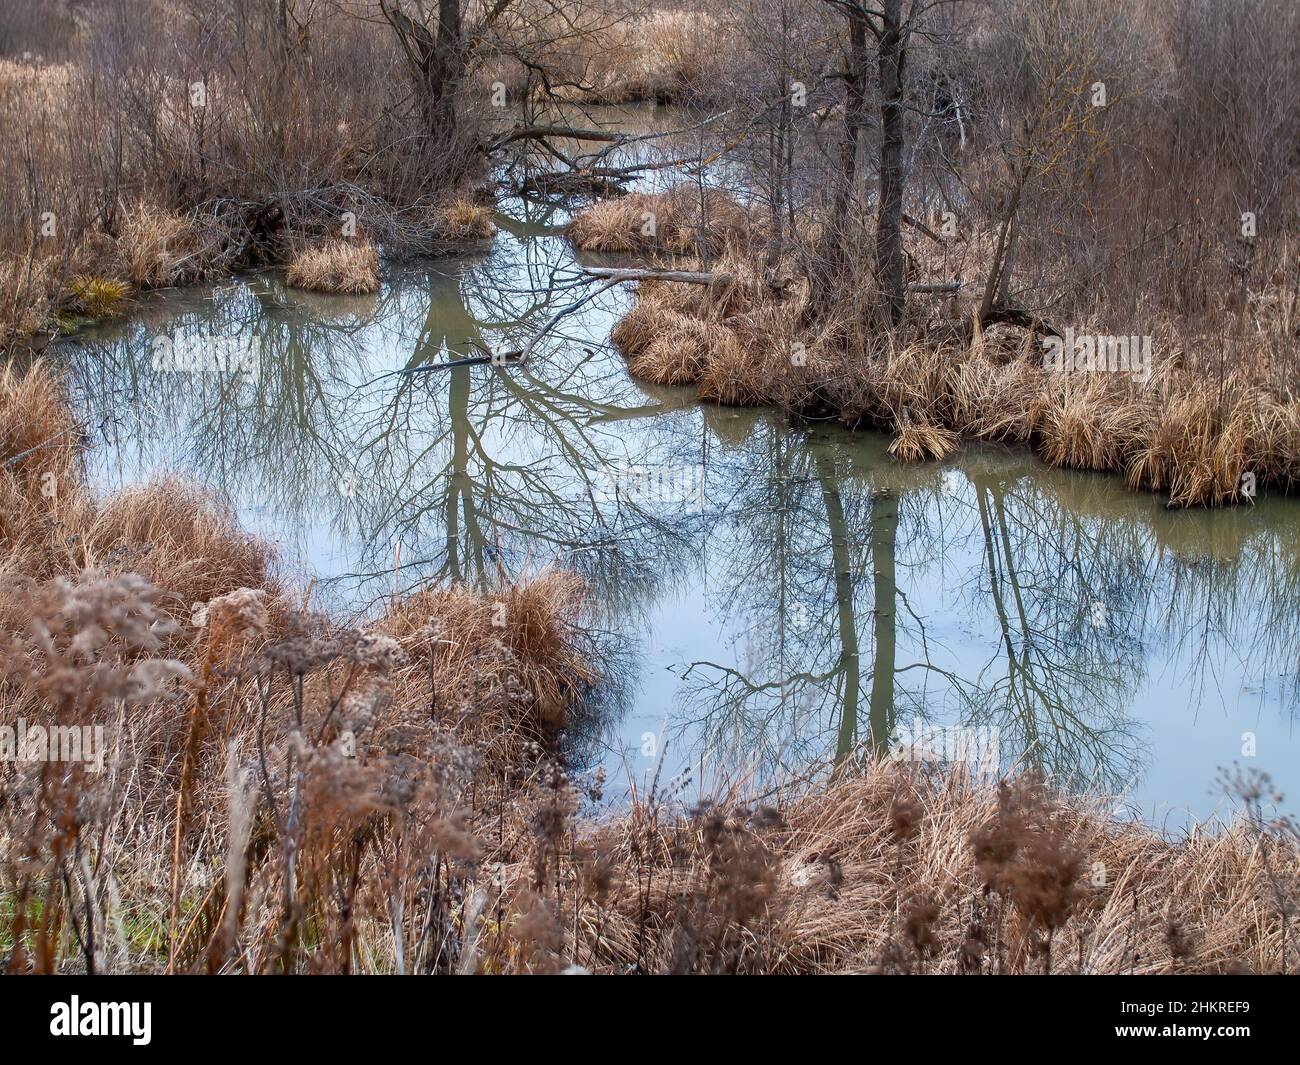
pixel 851 597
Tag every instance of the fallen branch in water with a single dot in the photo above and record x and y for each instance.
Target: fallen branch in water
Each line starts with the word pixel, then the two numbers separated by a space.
pixel 518 358
pixel 686 277
pixel 505 358
pixel 521 133
pixel 555 318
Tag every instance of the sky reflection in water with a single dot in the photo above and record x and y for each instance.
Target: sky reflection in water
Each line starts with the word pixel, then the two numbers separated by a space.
pixel 824 599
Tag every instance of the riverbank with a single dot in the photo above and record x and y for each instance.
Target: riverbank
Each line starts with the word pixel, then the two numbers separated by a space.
pixel 242 143
pixel 306 139
pixel 764 334
pixel 281 793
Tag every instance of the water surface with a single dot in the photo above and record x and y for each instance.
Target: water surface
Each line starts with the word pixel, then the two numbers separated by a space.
pixel 776 596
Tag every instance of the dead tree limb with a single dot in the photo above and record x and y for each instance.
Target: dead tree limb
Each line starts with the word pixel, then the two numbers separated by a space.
pixel 517 358
pixel 686 277
pixel 938 286
pixel 555 318
pixel 541 133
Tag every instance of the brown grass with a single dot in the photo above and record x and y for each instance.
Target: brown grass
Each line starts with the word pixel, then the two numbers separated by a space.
pixel 730 376
pixel 520 636
pixel 679 221
pixel 159 248
pixel 26 297
pixel 146 189
pixel 180 540
pixel 664 56
pixel 1182 433
pixel 633 333
pixel 42 502
pixel 923 443
pixel 437 826
pixel 338 266
pixel 38 435
pixel 464 220
pixel 678 353
pixel 157 606
pixel 97 276
pixel 835 866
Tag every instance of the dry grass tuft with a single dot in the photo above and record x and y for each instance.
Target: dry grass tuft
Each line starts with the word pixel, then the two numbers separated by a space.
pixel 923 443
pixel 679 352
pixel 615 225
pixel 683 221
pixel 338 266
pixel 732 337
pixel 464 220
pixel 38 434
pixel 159 248
pixel 636 330
pixel 1071 432
pixel 733 376
pixel 181 540
pixel 519 638
pixel 39 468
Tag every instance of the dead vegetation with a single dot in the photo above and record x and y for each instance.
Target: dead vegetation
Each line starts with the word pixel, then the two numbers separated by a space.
pixel 340 267
pixel 1198 436
pixel 978 181
pixel 666 57
pixel 243 141
pixel 285 794
pixel 685 220
pixel 462 221
pixel 894 869
pixel 604 56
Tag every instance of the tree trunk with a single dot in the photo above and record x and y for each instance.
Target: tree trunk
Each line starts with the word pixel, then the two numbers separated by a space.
pixel 444 71
pixel 995 287
pixel 436 62
pixel 889 220
pixel 850 665
pixel 852 148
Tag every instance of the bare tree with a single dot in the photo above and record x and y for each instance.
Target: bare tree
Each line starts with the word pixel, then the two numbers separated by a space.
pixel 432 40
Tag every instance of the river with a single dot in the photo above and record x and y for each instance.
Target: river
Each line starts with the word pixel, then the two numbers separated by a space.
pixel 771 596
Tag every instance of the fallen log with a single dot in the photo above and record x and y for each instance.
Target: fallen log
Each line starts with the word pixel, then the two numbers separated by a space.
pixel 524 133
pixel 687 277
pixel 505 358
pixel 698 277
pixel 1005 314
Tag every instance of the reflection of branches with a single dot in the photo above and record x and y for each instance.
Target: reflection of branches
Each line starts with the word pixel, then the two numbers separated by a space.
pixel 1056 692
pixel 471 475
pixel 501 461
pixel 779 522
pixel 1077 602
pixel 250 419
pixel 842 574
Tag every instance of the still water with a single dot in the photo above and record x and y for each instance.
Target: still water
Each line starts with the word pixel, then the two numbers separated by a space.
pixel 773 595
